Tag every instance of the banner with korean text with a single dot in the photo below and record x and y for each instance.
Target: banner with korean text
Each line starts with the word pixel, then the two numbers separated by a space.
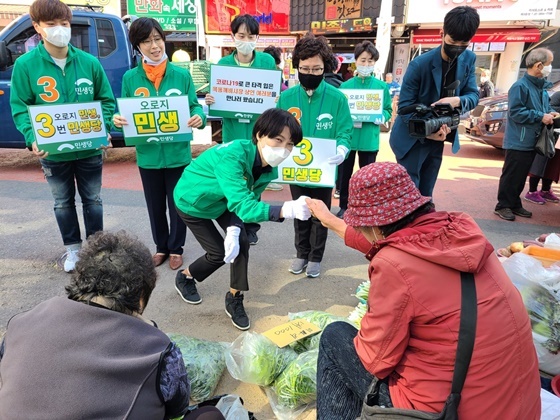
pixel 68 127
pixel 307 164
pixel 152 120
pixel 243 92
pixel 366 105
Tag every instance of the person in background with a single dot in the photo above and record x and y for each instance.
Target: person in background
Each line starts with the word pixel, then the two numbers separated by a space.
pixel 161 164
pixel 430 79
pixel 224 184
pixel 244 32
pixel 276 53
pixel 48 75
pixel 349 72
pixel 312 99
pixel 106 359
pixel 486 88
pixel 547 170
pixel 528 109
pixel 408 335
pixel 365 137
pixel 394 87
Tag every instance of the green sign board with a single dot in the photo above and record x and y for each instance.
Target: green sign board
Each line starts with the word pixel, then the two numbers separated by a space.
pixel 173 15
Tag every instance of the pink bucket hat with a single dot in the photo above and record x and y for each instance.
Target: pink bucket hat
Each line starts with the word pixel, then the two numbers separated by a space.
pixel 380 194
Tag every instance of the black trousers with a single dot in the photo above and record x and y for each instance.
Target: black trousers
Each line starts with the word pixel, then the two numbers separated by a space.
pixel 516 167
pixel 311 235
pixel 364 159
pixel 169 236
pixel 212 241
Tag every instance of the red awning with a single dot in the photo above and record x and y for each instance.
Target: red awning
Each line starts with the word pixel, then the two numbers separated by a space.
pixel 432 36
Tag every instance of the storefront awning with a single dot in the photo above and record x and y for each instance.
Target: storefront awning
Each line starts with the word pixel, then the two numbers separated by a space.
pixel 432 36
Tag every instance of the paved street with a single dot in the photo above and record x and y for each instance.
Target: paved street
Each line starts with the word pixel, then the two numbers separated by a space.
pixel 30 246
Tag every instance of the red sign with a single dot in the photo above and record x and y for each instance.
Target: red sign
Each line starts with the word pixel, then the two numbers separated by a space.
pixel 432 36
pixel 272 15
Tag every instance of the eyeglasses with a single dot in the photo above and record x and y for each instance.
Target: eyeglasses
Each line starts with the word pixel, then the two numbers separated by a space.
pixel 148 42
pixel 314 70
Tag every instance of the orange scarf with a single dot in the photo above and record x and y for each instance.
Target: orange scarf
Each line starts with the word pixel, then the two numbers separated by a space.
pixel 155 73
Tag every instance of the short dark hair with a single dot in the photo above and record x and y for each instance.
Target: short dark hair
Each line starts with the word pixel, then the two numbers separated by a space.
pixel 141 29
pixel 405 221
pixel 311 46
pixel 275 52
pixel 272 122
pixel 250 22
pixel 116 267
pixel 461 23
pixel 366 46
pixel 46 10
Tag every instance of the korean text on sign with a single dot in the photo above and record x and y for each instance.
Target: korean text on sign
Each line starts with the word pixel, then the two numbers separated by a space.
pixel 68 127
pixel 365 104
pixel 155 120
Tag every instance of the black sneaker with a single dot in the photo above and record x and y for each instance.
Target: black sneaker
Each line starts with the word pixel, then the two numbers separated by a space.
pixel 252 237
pixel 520 211
pixel 505 214
pixel 236 311
pixel 186 287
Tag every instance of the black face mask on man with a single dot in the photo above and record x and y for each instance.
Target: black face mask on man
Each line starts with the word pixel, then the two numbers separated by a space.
pixel 453 51
pixel 310 81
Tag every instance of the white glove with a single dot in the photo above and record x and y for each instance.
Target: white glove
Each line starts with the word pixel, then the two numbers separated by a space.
pixel 231 244
pixel 379 121
pixel 337 159
pixel 296 209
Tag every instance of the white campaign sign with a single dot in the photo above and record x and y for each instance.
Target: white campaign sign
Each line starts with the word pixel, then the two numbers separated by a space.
pixel 307 164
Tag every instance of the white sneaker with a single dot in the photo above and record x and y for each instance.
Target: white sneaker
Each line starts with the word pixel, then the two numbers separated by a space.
pixel 71 260
pixel 273 186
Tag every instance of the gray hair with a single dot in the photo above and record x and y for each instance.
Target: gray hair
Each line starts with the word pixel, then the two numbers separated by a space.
pixel 538 55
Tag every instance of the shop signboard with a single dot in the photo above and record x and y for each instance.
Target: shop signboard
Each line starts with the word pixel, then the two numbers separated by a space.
pixel 308 163
pixel 343 9
pixel 432 11
pixel 173 15
pixel 400 61
pixel 273 16
pixel 342 26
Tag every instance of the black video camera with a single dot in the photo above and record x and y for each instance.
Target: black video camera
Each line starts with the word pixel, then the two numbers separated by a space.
pixel 428 120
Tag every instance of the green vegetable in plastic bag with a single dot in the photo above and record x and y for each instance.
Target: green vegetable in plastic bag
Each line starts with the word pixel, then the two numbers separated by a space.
pixel 297 384
pixel 205 363
pixel 362 292
pixel 318 318
pixel 357 314
pixel 254 359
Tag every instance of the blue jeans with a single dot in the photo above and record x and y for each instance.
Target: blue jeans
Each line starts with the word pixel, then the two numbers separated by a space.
pixel 63 177
pixel 342 380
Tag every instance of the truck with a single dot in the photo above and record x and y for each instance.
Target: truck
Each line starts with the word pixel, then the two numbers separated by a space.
pixel 103 35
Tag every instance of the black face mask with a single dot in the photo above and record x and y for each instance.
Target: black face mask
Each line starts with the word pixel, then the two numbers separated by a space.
pixel 310 81
pixel 453 51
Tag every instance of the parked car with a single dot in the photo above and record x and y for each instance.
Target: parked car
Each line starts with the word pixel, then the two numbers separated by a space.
pixel 487 122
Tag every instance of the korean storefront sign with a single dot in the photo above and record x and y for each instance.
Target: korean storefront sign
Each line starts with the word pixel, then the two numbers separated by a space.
pixel 155 120
pixel 366 105
pixel 343 9
pixel 342 26
pixel 69 127
pixel 243 93
pixel 273 17
pixel 173 15
pixel 307 164
pixel 430 11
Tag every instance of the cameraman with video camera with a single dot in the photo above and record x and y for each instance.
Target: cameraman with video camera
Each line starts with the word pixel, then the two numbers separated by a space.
pixel 444 75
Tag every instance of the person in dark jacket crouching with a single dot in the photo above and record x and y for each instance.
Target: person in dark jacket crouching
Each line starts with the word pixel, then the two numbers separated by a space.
pixel 92 354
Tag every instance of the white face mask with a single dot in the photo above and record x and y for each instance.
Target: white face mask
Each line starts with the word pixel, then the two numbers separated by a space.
pixel 59 36
pixel 274 156
pixel 364 70
pixel 151 62
pixel 484 79
pixel 546 70
pixel 245 47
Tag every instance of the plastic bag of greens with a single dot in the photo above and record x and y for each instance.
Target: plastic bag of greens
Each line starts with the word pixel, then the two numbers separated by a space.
pixel 362 292
pixel 205 363
pixel 255 359
pixel 297 384
pixel 318 318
